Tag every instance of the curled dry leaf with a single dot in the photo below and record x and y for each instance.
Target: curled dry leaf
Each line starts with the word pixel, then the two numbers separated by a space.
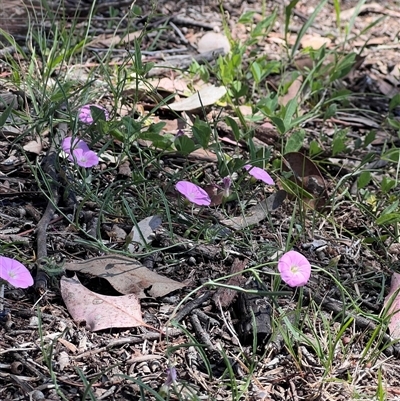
pixel 257 213
pixel 206 96
pixel 305 181
pixel 63 360
pixel 142 233
pixel 34 146
pixel 98 311
pixel 127 276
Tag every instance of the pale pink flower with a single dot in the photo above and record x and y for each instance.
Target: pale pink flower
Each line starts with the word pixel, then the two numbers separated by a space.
pixel 69 144
pixel 193 193
pixel 85 114
pixel 78 152
pixel 85 159
pixel 294 268
pixel 259 174
pixel 15 273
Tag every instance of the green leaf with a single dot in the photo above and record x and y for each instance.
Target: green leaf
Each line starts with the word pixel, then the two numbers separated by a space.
pixel 339 142
pixel 5 114
pixel 394 102
pixel 97 114
pixel 295 141
pixel 304 28
pixel 343 67
pixel 256 72
pixel 387 184
pixel 280 125
pixel 394 123
pixel 314 148
pixel 364 179
pixel 289 112
pixel 389 218
pixel 185 145
pixel 201 132
pixel 331 111
pixel 391 208
pixel 369 138
pixel 234 127
pixel 247 17
pixel 156 128
pixel 392 155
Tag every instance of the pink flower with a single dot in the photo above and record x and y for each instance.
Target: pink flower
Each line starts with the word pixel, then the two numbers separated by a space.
pixel 79 152
pixel 15 273
pixel 294 268
pixel 259 174
pixel 69 144
pixel 193 193
pixel 85 114
pixel 85 159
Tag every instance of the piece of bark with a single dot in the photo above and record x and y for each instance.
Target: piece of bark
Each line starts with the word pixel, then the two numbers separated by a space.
pixel 225 296
pixel 253 312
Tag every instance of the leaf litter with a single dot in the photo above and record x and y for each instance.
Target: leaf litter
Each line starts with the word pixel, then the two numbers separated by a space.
pixel 191 259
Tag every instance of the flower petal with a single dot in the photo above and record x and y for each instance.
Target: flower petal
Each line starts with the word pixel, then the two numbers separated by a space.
pixel 294 268
pixel 193 193
pixel 69 144
pixel 15 273
pixel 85 114
pixel 259 174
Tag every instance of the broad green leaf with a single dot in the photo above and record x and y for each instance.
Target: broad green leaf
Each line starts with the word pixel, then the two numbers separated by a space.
pixel 234 127
pixel 389 218
pixel 295 141
pixel 201 132
pixel 185 145
pixel 364 179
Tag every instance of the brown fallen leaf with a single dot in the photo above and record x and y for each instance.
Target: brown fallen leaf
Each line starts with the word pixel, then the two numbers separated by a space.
pixel 257 213
pixel 314 41
pixel 34 146
pixel 292 92
pixel 127 276
pixel 306 180
pixel 98 311
pixel 394 309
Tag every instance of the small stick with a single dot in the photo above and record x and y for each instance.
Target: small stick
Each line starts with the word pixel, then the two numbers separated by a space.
pixel 49 167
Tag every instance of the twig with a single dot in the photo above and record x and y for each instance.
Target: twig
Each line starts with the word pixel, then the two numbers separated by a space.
pixel 184 62
pixel 49 167
pixel 192 305
pixel 201 333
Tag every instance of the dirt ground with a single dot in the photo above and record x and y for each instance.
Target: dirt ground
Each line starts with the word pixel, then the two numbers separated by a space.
pixel 44 351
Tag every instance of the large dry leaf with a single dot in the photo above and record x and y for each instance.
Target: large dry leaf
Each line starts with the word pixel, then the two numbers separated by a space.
pixel 206 96
pixel 213 41
pixel 142 233
pixel 257 213
pixel 34 146
pixel 308 182
pixel 127 276
pixel 98 311
pixel 394 309
pixel 292 92
pixel 314 41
